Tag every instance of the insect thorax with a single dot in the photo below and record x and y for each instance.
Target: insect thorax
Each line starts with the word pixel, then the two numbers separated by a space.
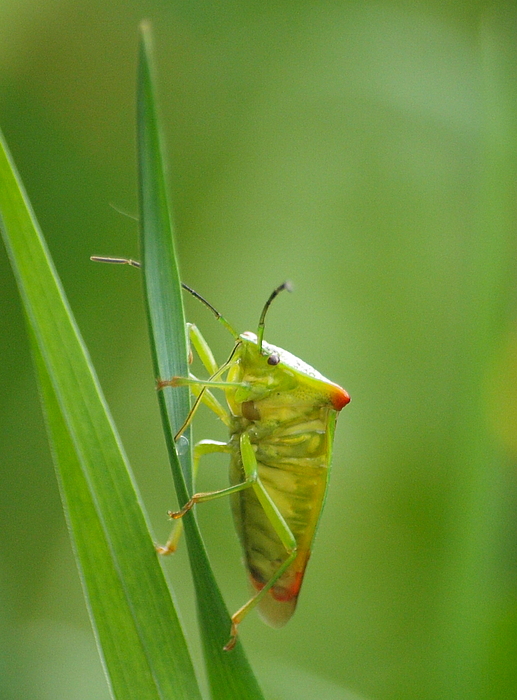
pixel 285 414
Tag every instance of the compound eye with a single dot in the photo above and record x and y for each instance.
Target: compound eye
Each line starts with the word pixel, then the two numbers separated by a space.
pixel 273 359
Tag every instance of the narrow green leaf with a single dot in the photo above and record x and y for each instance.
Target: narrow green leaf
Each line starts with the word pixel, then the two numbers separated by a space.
pixel 229 673
pixel 137 629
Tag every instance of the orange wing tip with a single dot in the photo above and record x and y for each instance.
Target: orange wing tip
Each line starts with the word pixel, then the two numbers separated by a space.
pixel 285 594
pixel 278 606
pixel 282 593
pixel 339 397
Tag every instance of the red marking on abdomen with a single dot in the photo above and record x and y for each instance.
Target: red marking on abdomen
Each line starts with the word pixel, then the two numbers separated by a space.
pixel 339 397
pixel 258 585
pixel 285 594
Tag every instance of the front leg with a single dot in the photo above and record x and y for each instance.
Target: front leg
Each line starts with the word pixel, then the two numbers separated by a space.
pixel 200 386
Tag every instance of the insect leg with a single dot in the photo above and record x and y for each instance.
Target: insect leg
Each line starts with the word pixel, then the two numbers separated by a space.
pixel 209 400
pixel 210 496
pixel 204 353
pixel 204 447
pixel 202 348
pixel 283 531
pixel 250 480
pixel 194 381
pixel 212 381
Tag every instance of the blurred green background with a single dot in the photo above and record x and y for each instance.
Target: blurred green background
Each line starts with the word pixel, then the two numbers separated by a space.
pixel 368 152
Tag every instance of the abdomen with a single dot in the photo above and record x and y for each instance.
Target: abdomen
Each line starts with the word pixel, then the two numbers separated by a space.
pixel 293 460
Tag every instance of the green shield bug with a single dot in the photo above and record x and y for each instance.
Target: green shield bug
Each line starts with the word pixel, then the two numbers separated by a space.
pixel 281 416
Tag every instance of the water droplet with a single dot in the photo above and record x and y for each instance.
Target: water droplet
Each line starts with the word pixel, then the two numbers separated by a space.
pixel 182 445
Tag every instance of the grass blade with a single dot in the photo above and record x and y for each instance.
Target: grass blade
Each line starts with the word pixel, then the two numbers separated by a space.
pixel 140 640
pixel 229 674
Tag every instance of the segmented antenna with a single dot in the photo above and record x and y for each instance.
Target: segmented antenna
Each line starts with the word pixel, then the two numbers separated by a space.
pixel 115 261
pixel 135 263
pixel 216 313
pixel 262 321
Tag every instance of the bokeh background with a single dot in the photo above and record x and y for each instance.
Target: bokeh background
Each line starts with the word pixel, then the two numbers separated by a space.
pixel 367 151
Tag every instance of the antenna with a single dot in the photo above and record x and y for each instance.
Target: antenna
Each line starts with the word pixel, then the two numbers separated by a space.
pixel 115 261
pixel 262 321
pixel 135 263
pixel 216 313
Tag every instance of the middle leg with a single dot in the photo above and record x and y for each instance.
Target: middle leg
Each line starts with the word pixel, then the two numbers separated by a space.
pixel 204 447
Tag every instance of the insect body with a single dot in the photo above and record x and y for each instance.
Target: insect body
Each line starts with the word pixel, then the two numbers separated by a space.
pixel 281 418
pixel 288 413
